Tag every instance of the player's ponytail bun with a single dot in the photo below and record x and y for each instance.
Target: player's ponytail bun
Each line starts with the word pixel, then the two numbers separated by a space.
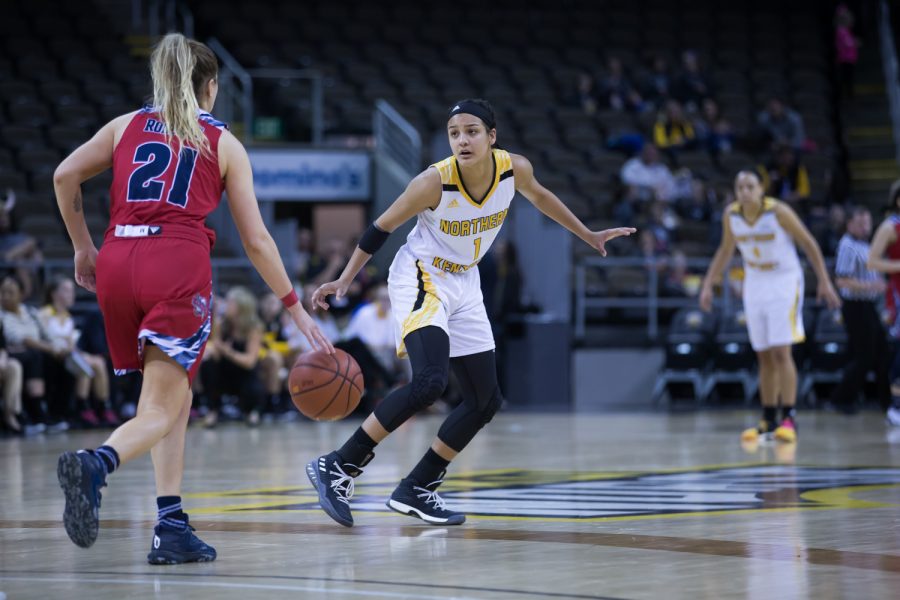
pixel 181 69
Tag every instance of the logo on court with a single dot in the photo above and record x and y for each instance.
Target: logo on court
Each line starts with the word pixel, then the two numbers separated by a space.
pixel 584 496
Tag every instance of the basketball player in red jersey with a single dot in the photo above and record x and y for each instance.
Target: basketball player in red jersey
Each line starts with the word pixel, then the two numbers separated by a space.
pixel 887 241
pixel 152 277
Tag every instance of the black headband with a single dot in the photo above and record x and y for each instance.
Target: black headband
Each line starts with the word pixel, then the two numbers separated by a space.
pixel 476 110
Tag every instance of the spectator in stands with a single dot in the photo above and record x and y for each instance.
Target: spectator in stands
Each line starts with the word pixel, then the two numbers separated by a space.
pixel 304 252
pixel 714 130
pixel 509 284
pixel 691 85
pixel 647 177
pixel 28 343
pixel 663 223
pixel 89 370
pixel 328 266
pixel 231 362
pixel 673 130
pixel 861 289
pixel 276 353
pixel 701 204
pixel 586 94
pixel 11 397
pixel 785 177
pixel 18 247
pixel 373 324
pixel 830 238
pixel 846 50
pixel 657 83
pixel 616 91
pixel 781 125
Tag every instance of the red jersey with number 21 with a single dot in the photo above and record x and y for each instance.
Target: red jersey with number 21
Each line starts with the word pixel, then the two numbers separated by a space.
pixel 157 182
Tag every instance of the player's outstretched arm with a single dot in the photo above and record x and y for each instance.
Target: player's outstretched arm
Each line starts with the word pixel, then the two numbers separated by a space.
pixel 548 203
pixel 788 219
pixel 422 193
pixel 90 159
pixel 722 257
pixel 257 241
pixel 885 235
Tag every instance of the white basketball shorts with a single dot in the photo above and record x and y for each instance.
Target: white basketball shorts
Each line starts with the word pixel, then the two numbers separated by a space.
pixel 422 296
pixel 773 306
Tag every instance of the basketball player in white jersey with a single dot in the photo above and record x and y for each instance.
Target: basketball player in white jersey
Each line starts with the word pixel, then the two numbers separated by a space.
pixel 765 230
pixel 460 204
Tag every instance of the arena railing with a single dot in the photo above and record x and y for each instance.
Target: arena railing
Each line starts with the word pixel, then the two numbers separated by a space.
pixel 235 91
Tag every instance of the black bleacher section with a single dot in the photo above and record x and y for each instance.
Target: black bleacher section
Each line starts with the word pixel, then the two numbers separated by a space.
pixel 65 73
pixel 524 57
pixel 63 77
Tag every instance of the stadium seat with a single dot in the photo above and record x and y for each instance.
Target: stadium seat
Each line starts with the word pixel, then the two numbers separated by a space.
pixel 689 347
pixel 733 358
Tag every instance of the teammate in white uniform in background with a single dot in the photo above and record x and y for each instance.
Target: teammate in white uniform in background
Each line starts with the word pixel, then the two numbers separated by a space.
pixel 765 231
pixel 460 204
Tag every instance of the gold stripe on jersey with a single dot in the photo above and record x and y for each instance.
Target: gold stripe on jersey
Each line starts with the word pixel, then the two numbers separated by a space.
pixel 420 318
pixel 769 205
pixel 796 336
pixel 450 175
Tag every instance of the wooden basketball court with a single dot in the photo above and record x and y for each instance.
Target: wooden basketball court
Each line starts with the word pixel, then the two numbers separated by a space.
pixel 560 506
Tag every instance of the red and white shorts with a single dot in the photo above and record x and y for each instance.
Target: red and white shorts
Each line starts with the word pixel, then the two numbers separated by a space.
pixel 155 288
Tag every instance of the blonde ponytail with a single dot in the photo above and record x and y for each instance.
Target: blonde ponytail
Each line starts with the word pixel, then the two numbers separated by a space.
pixel 181 68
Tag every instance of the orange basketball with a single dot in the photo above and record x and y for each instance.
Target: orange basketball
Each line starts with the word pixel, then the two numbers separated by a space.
pixel 326 387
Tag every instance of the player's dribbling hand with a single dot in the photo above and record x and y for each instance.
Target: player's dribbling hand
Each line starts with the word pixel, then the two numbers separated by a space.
pixel 335 288
pixel 308 327
pixel 827 293
pixel 86 268
pixel 598 239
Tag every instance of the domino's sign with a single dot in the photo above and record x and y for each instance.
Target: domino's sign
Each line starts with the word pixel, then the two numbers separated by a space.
pixel 311 174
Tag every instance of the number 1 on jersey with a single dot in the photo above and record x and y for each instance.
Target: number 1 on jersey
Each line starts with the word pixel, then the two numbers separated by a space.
pixel 477 247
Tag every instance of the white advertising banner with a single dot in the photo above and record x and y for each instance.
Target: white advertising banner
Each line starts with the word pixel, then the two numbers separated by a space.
pixel 310 174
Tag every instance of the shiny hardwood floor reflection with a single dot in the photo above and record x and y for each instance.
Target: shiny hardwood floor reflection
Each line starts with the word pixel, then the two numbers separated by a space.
pixel 634 506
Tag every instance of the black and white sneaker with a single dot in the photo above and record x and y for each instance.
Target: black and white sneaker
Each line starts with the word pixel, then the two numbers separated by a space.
pixel 424 503
pixel 333 480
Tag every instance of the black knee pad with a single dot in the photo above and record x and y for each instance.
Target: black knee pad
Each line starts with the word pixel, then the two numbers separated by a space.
pixel 467 420
pixel 493 405
pixel 427 386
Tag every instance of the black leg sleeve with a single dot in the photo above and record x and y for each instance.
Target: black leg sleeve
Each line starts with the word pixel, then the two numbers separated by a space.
pixel 477 376
pixel 429 353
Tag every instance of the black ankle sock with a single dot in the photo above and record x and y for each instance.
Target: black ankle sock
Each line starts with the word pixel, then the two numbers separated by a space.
pixel 769 415
pixel 109 456
pixel 429 469
pixel 357 448
pixel 788 411
pixel 168 511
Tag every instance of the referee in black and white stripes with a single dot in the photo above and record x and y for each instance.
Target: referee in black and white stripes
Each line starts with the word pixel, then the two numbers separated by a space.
pixel 860 290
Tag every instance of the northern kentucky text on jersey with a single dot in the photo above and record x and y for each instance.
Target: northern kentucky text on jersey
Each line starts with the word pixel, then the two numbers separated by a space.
pixel 473 226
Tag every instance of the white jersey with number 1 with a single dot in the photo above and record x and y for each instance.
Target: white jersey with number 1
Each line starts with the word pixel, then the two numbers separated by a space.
pixel 434 279
pixel 773 277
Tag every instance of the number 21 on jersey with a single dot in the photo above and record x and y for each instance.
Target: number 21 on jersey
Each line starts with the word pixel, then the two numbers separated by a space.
pixel 154 159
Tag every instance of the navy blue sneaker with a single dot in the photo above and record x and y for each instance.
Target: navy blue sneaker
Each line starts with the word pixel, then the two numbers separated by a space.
pixel 174 546
pixel 81 475
pixel 333 480
pixel 423 503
